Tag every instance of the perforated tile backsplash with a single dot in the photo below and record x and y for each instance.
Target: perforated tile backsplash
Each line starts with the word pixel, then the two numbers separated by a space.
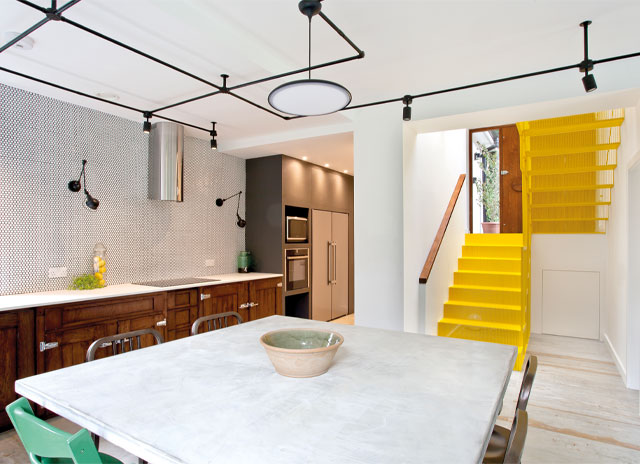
pixel 42 224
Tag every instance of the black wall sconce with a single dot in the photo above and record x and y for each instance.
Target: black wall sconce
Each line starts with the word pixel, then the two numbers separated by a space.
pixel 240 222
pixel 75 186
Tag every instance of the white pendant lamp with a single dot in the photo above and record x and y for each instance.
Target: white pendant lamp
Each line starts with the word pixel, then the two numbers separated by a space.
pixel 309 97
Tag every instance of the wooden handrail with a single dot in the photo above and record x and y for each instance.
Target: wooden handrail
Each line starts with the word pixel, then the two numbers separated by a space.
pixel 431 259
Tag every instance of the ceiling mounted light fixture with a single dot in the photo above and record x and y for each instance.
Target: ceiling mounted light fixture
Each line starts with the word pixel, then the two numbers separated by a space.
pixel 309 97
pixel 146 126
pixel 588 81
pixel 75 186
pixel 213 133
pixel 220 201
pixel 406 111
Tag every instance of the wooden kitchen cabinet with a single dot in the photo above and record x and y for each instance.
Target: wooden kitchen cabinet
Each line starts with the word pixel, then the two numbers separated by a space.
pixel 182 310
pixel 17 350
pixel 253 299
pixel 64 332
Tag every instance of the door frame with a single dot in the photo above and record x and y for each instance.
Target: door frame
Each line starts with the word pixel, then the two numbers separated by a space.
pixel 470 165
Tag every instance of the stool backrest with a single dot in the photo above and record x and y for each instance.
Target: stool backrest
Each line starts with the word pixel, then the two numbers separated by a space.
pixel 121 343
pixel 527 382
pixel 41 440
pixel 215 321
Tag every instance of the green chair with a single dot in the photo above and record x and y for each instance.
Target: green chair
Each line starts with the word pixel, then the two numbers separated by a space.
pixel 48 445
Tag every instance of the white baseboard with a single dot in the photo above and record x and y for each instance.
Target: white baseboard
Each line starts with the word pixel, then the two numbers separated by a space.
pixel 616 358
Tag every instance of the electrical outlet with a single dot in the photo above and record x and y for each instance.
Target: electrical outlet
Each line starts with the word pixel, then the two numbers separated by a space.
pixel 209 262
pixel 56 272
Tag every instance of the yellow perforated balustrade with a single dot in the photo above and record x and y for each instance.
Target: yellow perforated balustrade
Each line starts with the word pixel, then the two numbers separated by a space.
pixel 567 168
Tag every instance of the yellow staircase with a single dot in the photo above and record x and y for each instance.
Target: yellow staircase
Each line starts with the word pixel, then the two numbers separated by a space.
pixel 567 168
pixel 487 301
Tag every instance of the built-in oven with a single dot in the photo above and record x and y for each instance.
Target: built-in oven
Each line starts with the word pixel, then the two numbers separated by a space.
pixel 296 229
pixel 297 269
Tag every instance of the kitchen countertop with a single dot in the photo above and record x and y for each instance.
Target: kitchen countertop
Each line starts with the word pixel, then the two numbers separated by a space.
pixel 32 300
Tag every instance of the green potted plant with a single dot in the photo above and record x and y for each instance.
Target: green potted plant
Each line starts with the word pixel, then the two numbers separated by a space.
pixel 489 189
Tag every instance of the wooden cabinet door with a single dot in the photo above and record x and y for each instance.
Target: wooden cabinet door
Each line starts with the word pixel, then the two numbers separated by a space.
pixel 266 297
pixel 16 355
pixel 182 311
pixel 146 321
pixel 222 298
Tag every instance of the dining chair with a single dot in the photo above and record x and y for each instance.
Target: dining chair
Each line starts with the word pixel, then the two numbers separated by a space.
pixel 500 435
pixel 46 444
pixel 121 343
pixel 512 453
pixel 218 321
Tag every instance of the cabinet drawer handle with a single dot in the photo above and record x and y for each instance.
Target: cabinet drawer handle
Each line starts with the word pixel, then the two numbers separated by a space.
pixel 244 306
pixel 252 304
pixel 204 296
pixel 161 323
pixel 48 346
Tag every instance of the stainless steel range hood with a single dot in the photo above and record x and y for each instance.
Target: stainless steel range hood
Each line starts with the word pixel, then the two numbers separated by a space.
pixel 165 161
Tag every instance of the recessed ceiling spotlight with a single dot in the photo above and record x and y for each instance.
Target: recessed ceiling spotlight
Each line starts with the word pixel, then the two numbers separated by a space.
pixel 326 165
pixel 304 158
pixel 25 44
pixel 108 96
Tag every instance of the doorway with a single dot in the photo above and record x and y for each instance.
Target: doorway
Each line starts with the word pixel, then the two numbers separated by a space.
pixel 495 192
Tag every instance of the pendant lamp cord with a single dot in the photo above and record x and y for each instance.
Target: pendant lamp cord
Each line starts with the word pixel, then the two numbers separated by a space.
pixel 309 47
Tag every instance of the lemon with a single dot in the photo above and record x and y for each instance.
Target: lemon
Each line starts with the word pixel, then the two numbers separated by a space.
pixel 102 263
pixel 101 282
pixel 98 275
pixel 102 269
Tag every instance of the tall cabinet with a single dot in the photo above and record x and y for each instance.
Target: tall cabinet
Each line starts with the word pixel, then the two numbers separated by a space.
pixel 279 186
pixel 330 265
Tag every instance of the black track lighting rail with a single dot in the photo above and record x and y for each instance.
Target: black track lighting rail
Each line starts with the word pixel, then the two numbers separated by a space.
pixel 55 14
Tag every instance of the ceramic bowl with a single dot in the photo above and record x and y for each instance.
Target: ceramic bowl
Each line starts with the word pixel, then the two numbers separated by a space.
pixel 301 352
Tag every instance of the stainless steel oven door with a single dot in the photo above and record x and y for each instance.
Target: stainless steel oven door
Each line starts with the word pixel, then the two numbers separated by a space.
pixel 297 269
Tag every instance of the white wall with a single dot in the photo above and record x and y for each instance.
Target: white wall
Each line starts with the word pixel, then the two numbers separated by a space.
pixel 432 164
pixel 566 252
pixel 378 249
pixel 633 301
pixel 621 329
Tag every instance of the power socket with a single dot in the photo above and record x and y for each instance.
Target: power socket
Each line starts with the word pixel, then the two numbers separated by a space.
pixel 57 272
pixel 209 262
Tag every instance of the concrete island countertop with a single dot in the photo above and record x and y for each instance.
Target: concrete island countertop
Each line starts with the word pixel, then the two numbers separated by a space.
pixel 33 300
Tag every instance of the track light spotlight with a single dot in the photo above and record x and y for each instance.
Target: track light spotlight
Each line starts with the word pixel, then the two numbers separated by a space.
pixel 75 186
pixel 589 82
pixel 214 142
pixel 220 201
pixel 406 111
pixel 146 126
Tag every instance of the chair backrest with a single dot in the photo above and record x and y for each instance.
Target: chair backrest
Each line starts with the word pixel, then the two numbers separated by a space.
pixel 527 382
pixel 41 440
pixel 121 343
pixel 217 321
pixel 517 437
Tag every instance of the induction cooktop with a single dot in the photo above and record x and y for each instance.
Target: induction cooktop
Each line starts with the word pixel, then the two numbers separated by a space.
pixel 175 282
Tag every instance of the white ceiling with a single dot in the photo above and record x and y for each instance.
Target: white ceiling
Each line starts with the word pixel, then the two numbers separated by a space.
pixel 411 47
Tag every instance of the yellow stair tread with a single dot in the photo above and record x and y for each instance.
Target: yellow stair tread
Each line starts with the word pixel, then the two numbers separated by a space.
pixel 492 245
pixel 489 258
pixel 576 127
pixel 465 271
pixel 552 172
pixel 570 205
pixel 572 149
pixel 571 188
pixel 488 325
pixel 587 219
pixel 484 305
pixel 485 287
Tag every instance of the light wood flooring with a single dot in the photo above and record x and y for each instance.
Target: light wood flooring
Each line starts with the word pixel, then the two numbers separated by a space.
pixel 579 409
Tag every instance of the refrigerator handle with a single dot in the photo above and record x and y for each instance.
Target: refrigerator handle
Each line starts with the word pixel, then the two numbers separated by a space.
pixel 335 255
pixel 329 243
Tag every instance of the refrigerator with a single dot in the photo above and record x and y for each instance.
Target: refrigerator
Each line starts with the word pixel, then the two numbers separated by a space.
pixel 330 265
